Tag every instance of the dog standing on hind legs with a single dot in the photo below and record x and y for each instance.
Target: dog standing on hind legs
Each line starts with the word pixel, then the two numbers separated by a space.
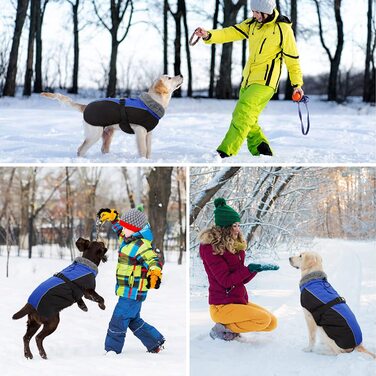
pixel 135 116
pixel 324 310
pixel 61 291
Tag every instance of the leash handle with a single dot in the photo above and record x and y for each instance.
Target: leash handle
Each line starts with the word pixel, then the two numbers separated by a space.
pixel 193 41
pixel 305 100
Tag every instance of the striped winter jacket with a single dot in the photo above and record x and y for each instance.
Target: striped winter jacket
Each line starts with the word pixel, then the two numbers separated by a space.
pixel 136 257
pixel 269 44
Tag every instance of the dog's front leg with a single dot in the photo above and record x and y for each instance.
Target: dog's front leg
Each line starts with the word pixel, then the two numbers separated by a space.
pixel 92 295
pixel 148 145
pixel 140 133
pixel 312 330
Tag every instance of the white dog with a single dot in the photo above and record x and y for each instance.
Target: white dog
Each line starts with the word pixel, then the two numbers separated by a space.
pixel 325 310
pixel 139 116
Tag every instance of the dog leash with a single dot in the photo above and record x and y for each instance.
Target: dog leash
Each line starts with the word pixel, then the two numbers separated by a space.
pixel 305 100
pixel 193 41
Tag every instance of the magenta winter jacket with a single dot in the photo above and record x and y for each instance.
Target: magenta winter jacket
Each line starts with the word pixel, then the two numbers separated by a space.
pixel 227 275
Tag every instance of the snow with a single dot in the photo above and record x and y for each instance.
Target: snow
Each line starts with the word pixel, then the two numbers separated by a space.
pixel 37 130
pixel 350 266
pixel 77 346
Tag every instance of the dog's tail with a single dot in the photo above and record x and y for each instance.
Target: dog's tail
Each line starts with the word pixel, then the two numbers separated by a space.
pixel 362 349
pixel 66 100
pixel 25 310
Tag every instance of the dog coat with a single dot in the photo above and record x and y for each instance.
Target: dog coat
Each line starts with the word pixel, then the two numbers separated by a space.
pixel 329 310
pixel 144 111
pixel 57 293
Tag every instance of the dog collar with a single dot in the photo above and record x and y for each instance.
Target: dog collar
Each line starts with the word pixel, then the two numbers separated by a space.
pixel 156 107
pixel 311 276
pixel 86 262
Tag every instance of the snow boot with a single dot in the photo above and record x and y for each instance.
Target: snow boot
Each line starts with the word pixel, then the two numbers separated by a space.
pixel 158 348
pixel 222 154
pixel 264 149
pixel 221 332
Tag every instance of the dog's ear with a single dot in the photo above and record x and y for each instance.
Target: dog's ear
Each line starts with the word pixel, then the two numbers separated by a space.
pixel 309 260
pixel 82 244
pixel 160 87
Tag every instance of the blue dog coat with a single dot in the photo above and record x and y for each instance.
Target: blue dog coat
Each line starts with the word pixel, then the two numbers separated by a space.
pixel 330 311
pixel 143 111
pixel 54 294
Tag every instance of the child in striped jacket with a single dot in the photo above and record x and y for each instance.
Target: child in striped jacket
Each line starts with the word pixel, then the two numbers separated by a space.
pixel 138 270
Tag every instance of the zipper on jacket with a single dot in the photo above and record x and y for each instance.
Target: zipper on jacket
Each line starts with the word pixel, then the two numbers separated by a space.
pixel 262 45
pixel 229 290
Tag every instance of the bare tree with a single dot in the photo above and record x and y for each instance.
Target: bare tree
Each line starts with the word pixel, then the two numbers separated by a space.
pixel 165 36
pixel 224 85
pixel 128 185
pixel 220 179
pixel 294 20
pixel 10 81
pixel 335 59
pixel 34 5
pixel 159 181
pixel 369 70
pixel 213 52
pixel 118 11
pixel 187 50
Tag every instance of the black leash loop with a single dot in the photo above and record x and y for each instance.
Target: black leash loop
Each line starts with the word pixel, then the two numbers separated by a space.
pixel 304 100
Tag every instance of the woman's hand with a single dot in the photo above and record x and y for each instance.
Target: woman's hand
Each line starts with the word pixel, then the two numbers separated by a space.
pixel 297 93
pixel 201 33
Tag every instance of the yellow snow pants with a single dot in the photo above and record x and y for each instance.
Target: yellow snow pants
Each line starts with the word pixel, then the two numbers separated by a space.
pixel 243 318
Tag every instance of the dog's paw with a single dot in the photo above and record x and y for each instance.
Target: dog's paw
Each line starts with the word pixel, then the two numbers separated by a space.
pixel 308 349
pixel 101 306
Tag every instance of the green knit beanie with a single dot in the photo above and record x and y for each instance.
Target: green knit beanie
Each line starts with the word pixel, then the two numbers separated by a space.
pixel 224 215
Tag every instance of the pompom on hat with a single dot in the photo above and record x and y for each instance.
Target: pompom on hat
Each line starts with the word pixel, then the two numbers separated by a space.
pixel 263 6
pixel 224 215
pixel 133 220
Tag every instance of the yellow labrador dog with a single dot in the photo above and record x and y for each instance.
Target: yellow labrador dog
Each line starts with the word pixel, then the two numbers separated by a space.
pixel 325 310
pixel 132 115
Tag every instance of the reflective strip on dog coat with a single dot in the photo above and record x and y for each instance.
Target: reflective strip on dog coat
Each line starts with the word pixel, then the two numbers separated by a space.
pixel 338 321
pixel 53 295
pixel 106 112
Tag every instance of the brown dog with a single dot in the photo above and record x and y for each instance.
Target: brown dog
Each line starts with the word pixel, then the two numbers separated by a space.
pixel 61 291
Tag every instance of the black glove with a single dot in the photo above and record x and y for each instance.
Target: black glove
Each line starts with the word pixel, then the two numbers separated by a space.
pixel 261 267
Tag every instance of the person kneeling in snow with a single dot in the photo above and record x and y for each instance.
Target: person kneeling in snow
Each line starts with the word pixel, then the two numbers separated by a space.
pixel 138 270
pixel 271 41
pixel 222 250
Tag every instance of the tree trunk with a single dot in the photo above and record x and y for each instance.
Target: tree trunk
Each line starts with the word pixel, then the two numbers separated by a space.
pixel 368 86
pixel 38 84
pixel 111 88
pixel 188 51
pixel 165 36
pixel 10 81
pixel 219 180
pixel 224 85
pixel 177 44
pixel 213 52
pixel 30 48
pixel 76 48
pixel 244 42
pixel 159 181
pixel 294 19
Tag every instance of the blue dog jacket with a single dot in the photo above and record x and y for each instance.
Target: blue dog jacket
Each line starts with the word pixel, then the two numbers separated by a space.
pixel 142 111
pixel 54 294
pixel 330 311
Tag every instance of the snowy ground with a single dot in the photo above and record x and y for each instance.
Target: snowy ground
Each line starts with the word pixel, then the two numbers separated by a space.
pixel 76 348
pixel 39 130
pixel 351 270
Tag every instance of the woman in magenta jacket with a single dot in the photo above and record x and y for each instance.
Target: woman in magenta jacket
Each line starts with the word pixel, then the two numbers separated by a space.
pixel 222 250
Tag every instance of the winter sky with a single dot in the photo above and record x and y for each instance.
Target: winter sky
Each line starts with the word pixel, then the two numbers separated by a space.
pixel 142 49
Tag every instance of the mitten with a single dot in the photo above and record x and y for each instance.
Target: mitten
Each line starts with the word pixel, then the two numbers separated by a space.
pixel 261 267
pixel 154 279
pixel 106 214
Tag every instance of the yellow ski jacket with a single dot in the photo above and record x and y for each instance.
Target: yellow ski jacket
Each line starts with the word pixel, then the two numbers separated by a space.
pixel 269 44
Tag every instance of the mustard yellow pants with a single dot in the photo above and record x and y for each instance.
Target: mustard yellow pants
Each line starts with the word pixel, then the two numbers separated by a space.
pixel 243 318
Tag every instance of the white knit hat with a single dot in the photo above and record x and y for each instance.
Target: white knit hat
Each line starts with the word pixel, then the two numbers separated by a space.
pixel 263 6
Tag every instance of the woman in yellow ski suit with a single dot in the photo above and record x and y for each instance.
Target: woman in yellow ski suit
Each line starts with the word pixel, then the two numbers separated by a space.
pixel 271 41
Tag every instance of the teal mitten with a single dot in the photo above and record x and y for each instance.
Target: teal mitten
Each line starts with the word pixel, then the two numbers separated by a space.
pixel 261 267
